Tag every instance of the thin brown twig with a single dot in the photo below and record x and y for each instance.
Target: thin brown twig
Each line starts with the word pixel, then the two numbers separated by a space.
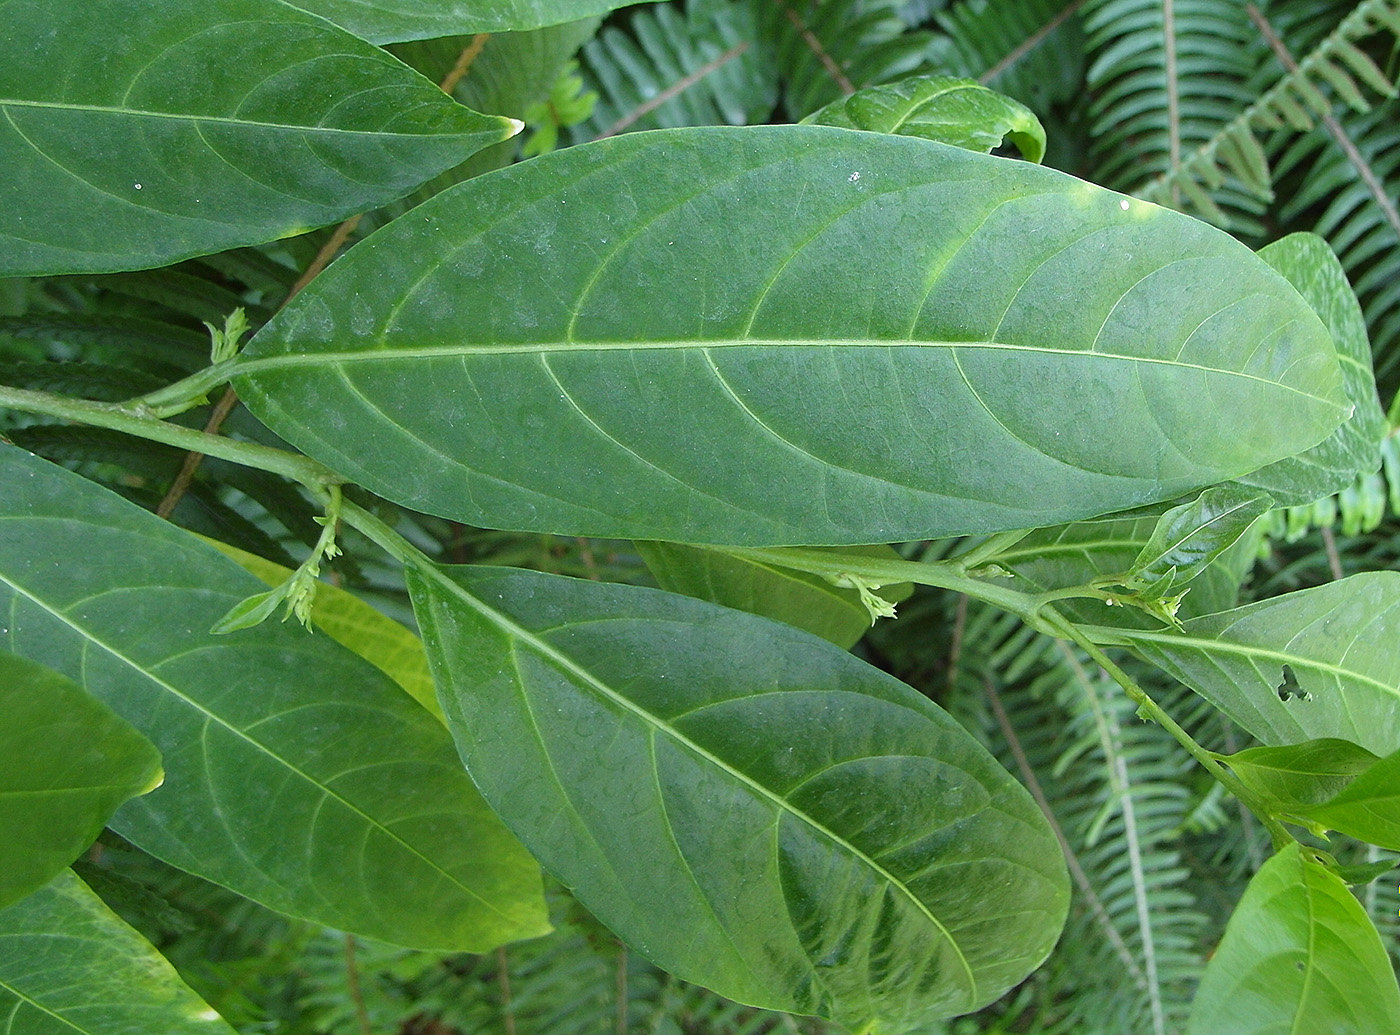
pixel 503 979
pixel 644 109
pixel 955 648
pixel 1173 92
pixel 464 62
pixel 1076 869
pixel 1334 561
pixel 1029 43
pixel 1334 128
pixel 328 251
pixel 808 37
pixel 622 1011
pixel 352 977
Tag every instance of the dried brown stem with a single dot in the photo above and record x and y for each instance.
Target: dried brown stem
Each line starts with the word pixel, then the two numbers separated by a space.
pixel 815 45
pixel 1029 43
pixel 352 978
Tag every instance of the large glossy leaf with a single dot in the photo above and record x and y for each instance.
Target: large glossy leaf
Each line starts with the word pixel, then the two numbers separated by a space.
pixel 961 112
pixel 66 763
pixel 70 966
pixel 135 134
pixel 743 803
pixel 809 602
pixel 388 21
pixel 1354 448
pixel 1317 663
pixel 296 773
pixel 793 335
pixel 1299 955
pixel 354 624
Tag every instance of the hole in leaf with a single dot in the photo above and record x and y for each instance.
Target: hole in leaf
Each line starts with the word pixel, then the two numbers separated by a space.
pixel 1300 965
pixel 1289 688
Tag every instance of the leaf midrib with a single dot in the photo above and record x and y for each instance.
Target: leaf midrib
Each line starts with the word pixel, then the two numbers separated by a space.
pixel 563 661
pixel 256 365
pixel 14 102
pixel 1225 647
pixel 327 791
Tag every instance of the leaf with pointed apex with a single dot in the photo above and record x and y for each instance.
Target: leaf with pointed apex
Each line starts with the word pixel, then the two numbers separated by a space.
pixel 790 335
pixel 66 763
pixel 743 803
pixel 392 21
pixel 296 773
pixel 806 601
pixel 961 112
pixel 1187 538
pixel 1354 447
pixel 1299 955
pixel 1300 775
pixel 1368 808
pixel 136 133
pixel 352 623
pixel 70 966
pixel 1337 640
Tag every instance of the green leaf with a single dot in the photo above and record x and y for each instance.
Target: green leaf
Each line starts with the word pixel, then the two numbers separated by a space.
pixel 66 763
pixel 136 134
pixel 1300 774
pixel 352 623
pixel 961 112
pixel 1353 448
pixel 1337 641
pixel 1078 553
pixel 1299 955
pixel 1368 808
pixel 296 774
pixel 1187 538
pixel 791 335
pixel 70 966
pixel 390 21
pixel 808 602
pixel 744 804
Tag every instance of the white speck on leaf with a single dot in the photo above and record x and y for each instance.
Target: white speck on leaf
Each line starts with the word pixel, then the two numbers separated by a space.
pixel 854 177
pixel 1123 204
pixel 137 186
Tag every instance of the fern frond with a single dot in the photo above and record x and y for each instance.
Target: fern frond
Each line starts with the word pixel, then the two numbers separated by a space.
pixel 1335 66
pixel 700 63
pixel 1166 76
pixel 1032 50
pixel 825 48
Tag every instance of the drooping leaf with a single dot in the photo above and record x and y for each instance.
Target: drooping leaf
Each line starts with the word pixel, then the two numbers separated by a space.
pixel 1299 955
pixel 70 966
pixel 296 773
pixel 1300 774
pixel 1187 538
pixel 391 21
pixel 806 601
pixel 136 134
pixel 1368 808
pixel 66 763
pixel 791 335
pixel 961 112
pixel 354 624
pixel 745 804
pixel 1353 448
pixel 1308 665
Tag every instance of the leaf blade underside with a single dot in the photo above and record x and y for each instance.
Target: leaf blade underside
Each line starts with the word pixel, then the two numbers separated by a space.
pixel 601 360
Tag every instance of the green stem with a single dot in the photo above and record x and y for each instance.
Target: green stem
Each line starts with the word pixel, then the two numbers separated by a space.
pixel 382 535
pixel 118 417
pixel 182 395
pixel 989 549
pixel 1148 708
pixel 884 572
